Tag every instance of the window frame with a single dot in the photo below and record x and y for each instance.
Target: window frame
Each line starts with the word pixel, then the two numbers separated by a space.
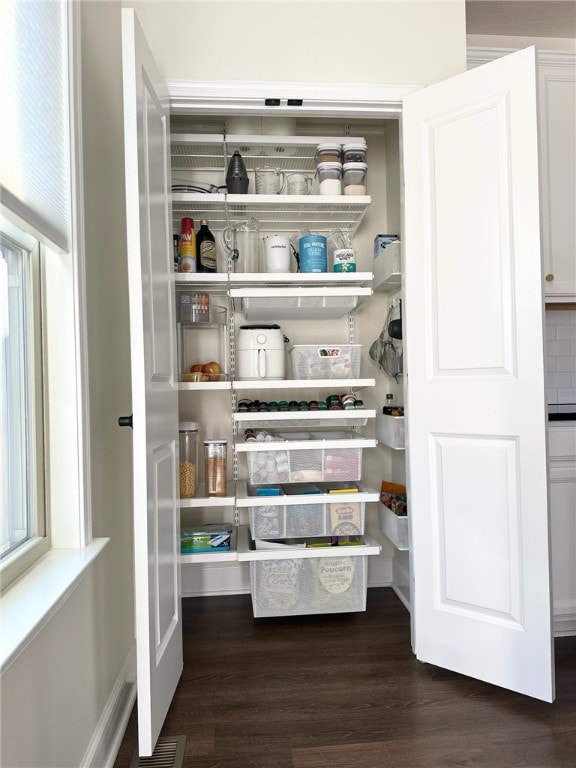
pixel 64 344
pixel 37 542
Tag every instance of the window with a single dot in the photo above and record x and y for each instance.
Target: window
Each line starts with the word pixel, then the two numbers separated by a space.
pixel 44 490
pixel 21 428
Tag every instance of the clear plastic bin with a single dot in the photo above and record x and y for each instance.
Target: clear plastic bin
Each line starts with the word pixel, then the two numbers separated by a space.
pixel 326 361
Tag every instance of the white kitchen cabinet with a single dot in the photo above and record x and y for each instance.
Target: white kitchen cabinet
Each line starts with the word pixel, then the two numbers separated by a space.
pixel 463 230
pixel 557 94
pixel 562 452
pixel 557 144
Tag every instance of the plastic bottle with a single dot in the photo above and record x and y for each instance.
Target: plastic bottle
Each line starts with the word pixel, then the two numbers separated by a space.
pixel 236 176
pixel 205 249
pixel 187 246
pixel 389 406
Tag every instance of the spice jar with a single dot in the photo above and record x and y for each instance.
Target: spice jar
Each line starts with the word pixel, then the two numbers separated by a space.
pixel 188 444
pixel 215 467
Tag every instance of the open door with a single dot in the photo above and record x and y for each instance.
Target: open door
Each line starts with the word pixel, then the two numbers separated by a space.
pixel 476 412
pixel 154 387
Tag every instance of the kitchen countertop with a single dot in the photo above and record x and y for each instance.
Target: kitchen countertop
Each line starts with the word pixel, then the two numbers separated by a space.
pixel 564 412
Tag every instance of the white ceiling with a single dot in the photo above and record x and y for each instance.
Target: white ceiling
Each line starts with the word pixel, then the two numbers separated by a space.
pixel 521 18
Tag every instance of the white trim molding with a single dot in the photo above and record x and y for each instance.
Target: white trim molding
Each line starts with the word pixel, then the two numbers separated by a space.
pixel 294 99
pixel 107 738
pixel 475 56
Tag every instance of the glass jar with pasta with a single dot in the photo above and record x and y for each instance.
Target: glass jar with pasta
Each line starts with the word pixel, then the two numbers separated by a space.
pixel 215 467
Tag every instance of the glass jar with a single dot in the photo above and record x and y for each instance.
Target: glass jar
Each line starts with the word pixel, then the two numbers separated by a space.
pixel 188 466
pixel 354 178
pixel 329 177
pixel 215 467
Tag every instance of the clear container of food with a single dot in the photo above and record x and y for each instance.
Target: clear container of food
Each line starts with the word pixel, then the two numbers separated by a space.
pixel 354 178
pixel 188 467
pixel 329 153
pixel 215 452
pixel 354 152
pixel 329 178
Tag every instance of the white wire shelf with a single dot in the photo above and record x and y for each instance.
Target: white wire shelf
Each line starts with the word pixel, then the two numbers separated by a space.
pixel 332 384
pixel 244 499
pixel 247 552
pixel 305 419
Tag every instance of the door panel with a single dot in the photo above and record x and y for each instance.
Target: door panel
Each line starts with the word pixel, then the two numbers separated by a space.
pixel 154 388
pixel 476 413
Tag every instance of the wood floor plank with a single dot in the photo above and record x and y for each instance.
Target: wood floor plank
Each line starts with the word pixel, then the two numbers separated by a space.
pixel 345 691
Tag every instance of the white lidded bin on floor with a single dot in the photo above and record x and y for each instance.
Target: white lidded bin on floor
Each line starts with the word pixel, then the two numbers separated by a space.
pixel 295 587
pixel 325 361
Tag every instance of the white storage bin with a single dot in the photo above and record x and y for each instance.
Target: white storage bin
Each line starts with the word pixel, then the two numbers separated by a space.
pixel 325 361
pixel 394 526
pixel 390 430
pixel 294 587
pixel 388 266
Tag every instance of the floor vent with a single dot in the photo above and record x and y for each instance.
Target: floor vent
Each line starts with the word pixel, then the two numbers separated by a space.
pixel 168 753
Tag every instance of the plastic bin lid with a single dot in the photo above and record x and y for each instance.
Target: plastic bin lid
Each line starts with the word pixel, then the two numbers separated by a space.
pixel 333 147
pixel 354 145
pixel 188 426
pixel 355 166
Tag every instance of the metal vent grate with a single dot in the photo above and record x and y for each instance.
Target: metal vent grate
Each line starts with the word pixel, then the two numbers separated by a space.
pixel 168 753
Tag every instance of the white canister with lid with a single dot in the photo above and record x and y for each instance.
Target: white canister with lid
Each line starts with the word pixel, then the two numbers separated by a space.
pixel 329 153
pixel 354 178
pixel 354 152
pixel 329 176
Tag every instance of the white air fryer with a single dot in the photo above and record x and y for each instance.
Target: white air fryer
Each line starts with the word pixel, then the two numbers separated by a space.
pixel 260 352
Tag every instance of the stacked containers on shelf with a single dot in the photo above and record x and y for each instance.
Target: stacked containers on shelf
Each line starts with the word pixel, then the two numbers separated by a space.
pixel 354 168
pixel 329 168
pixel 341 169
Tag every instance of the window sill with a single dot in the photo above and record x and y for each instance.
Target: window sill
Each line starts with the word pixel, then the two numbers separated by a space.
pixel 31 601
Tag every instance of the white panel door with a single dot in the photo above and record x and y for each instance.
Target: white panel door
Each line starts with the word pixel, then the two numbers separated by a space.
pixel 476 413
pixel 154 387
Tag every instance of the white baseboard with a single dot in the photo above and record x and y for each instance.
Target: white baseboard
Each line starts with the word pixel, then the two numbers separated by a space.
pixel 107 737
pixel 564 618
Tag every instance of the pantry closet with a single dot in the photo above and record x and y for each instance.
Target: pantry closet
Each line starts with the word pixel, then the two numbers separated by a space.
pixel 476 580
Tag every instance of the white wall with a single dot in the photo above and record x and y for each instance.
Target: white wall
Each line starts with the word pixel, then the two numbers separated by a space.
pixel 55 694
pixel 384 41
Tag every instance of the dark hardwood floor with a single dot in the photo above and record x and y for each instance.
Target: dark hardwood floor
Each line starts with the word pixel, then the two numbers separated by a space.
pixel 344 691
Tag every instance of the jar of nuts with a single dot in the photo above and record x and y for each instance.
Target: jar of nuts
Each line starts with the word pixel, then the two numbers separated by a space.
pixel 188 440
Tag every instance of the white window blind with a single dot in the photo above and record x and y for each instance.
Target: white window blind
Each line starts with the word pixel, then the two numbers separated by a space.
pixel 34 128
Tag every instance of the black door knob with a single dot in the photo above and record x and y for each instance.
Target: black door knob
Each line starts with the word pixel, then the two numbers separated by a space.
pixel 125 421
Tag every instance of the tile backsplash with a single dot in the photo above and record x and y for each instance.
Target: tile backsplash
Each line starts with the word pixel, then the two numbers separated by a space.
pixel 561 356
